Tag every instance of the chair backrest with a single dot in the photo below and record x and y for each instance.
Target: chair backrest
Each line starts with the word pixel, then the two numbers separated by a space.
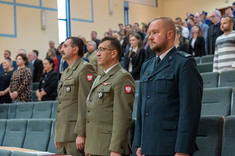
pixel 42 109
pixel 207 58
pixel 198 60
pixel 3 111
pixel 227 79
pixel 24 110
pixel 5 152
pixel 209 136
pixel 210 80
pixel 51 146
pixel 11 111
pixel 2 129
pixel 216 101
pixel 17 153
pixel 205 67
pixel 37 134
pixel 54 109
pixel 15 132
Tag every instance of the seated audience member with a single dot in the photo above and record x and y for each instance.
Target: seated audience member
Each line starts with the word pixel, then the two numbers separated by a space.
pixel 136 56
pixel 5 81
pixel 47 89
pixel 179 40
pixel 20 85
pixel 197 43
pixel 51 54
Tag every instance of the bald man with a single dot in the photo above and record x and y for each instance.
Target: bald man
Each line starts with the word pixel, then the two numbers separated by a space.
pixel 170 94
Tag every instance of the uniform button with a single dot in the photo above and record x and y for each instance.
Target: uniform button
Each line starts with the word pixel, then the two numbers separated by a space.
pixel 147 114
pixel 88 111
pixel 59 102
pixel 150 79
pixel 148 97
pixel 58 111
pixel 87 121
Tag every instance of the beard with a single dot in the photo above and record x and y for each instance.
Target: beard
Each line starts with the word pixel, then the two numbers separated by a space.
pixel 158 48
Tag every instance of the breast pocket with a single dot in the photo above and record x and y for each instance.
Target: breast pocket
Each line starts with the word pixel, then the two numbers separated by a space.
pixel 164 82
pixel 69 87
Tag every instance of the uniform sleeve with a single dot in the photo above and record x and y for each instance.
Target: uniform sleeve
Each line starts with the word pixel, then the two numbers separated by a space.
pixel 122 113
pixel 83 91
pixel 190 96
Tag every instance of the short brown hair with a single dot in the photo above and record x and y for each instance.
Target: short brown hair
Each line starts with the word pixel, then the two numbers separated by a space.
pixel 24 57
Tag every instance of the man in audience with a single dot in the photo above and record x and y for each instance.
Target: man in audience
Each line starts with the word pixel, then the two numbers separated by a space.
pixel 74 86
pixel 185 31
pixel 62 64
pixel 91 56
pixel 214 31
pixel 30 65
pixel 198 21
pixel 229 12
pixel 109 104
pixel 224 58
pixel 52 46
pixel 169 103
pixel 7 54
pixel 94 38
pixel 38 66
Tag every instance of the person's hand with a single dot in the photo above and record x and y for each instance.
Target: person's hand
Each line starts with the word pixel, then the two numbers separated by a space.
pixel 181 154
pixel 1 93
pixel 115 154
pixel 13 95
pixel 138 152
pixel 87 154
pixel 80 143
pixel 56 144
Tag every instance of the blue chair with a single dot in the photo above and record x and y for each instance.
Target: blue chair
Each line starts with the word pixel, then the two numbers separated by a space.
pixel 207 59
pixel 15 133
pixel 54 109
pixel 37 134
pixel 17 153
pixel 3 111
pixel 205 67
pixel 2 129
pixel 198 60
pixel 11 111
pixel 42 109
pixel 216 101
pixel 209 136
pixel 210 80
pixel 227 79
pixel 51 147
pixel 5 152
pixel 24 110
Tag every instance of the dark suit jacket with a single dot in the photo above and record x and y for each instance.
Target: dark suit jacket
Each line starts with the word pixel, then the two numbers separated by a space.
pixel 65 64
pixel 183 47
pixel 137 61
pixel 169 105
pixel 211 38
pixel 49 83
pixel 38 69
pixel 199 47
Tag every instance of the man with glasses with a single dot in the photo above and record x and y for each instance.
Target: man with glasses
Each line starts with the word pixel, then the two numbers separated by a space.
pixel 214 31
pixel 74 86
pixel 109 104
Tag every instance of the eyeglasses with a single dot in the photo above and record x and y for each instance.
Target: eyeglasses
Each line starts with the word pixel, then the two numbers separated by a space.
pixel 103 49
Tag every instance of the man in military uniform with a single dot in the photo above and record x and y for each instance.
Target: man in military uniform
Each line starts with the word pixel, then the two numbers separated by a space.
pixel 169 103
pixel 109 104
pixel 74 86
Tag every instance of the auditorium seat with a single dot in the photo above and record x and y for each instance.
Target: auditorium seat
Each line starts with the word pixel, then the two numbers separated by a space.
pixel 134 113
pixel 37 134
pixel 209 136
pixel 51 146
pixel 5 152
pixel 15 133
pixel 17 153
pixel 205 67
pixel 54 109
pixel 227 79
pixel 216 101
pixel 42 109
pixel 210 79
pixel 229 137
pixel 2 130
pixel 11 111
pixel 3 111
pixel 24 110
pixel 198 60
pixel 233 103
pixel 207 59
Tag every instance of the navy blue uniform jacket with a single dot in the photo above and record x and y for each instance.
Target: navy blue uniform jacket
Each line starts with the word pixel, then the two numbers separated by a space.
pixel 169 105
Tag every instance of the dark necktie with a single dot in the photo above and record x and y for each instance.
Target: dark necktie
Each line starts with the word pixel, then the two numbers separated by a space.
pixel 157 61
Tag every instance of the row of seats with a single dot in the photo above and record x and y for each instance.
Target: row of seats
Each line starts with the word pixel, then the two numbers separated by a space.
pixel 45 109
pixel 36 134
pixel 204 59
pixel 215 101
pixel 205 67
pixel 15 153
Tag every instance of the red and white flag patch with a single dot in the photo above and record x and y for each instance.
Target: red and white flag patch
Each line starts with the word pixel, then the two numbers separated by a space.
pixel 128 89
pixel 89 77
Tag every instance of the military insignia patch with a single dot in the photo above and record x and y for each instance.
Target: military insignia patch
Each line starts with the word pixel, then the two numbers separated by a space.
pixel 128 89
pixel 89 77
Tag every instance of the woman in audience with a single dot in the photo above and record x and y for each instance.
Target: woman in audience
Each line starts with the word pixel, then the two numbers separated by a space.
pixel 135 58
pixel 51 54
pixel 20 85
pixel 197 42
pixel 47 89
pixel 179 40
pixel 5 81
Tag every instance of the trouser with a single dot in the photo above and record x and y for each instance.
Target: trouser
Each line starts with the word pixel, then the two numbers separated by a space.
pixel 69 148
